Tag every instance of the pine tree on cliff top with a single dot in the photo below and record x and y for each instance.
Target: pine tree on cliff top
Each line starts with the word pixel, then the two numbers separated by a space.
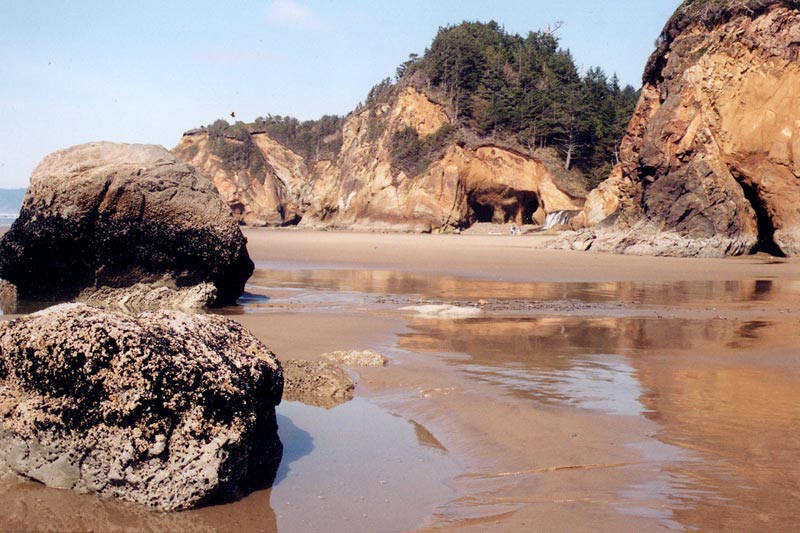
pixel 526 91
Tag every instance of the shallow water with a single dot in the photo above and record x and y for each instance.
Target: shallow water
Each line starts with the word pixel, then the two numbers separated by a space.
pixel 722 386
pixel 353 467
pixel 337 285
pixel 706 372
pixel 356 468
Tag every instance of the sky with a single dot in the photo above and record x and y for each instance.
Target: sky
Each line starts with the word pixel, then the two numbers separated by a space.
pixel 76 71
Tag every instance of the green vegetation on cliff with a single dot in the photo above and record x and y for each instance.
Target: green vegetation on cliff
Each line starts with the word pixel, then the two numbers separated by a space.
pixel 314 140
pixel 411 154
pixel 525 91
pixel 521 93
pixel 235 147
pixel 715 11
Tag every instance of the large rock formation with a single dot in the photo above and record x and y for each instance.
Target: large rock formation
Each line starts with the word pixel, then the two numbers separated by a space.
pixel 711 161
pixel 105 214
pixel 462 186
pixel 165 409
pixel 363 188
pixel 265 194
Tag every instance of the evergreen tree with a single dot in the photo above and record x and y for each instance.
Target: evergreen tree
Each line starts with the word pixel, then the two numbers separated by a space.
pixel 528 91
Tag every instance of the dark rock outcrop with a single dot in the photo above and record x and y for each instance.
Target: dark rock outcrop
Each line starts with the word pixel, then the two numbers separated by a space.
pixel 165 409
pixel 106 214
pixel 710 164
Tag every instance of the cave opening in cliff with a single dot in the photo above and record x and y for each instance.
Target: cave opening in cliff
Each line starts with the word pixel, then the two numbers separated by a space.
pixel 501 207
pixel 480 212
pixel 766 230
pixel 529 204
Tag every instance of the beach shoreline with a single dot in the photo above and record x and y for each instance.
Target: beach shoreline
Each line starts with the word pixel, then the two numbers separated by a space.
pixel 568 472
pixel 508 454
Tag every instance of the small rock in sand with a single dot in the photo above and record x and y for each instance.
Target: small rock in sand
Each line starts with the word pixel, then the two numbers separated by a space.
pixel 356 358
pixel 317 383
pixel 443 311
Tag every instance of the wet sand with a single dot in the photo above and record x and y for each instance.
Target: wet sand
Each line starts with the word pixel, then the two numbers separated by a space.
pixel 608 393
pixel 592 392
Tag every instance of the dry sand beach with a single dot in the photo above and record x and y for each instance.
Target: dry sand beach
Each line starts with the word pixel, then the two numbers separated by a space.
pixel 589 391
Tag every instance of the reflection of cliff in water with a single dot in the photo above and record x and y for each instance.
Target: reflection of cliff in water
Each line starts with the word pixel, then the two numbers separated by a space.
pixel 740 412
pixel 550 342
pixel 720 374
pixel 736 293
pixel 726 390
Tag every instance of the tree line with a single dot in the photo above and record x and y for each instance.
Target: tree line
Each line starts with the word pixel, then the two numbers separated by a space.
pixel 523 92
pixel 527 90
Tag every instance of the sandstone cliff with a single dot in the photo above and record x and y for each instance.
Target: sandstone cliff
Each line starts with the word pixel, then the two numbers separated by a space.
pixel 710 165
pixel 459 186
pixel 266 194
pixel 366 186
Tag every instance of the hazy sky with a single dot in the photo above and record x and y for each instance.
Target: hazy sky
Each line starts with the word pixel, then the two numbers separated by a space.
pixel 146 71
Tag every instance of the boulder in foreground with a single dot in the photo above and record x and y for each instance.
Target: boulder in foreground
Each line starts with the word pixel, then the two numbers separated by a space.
pixel 165 409
pixel 107 214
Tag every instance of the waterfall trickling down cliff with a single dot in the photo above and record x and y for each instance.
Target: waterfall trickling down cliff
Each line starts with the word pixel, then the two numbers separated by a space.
pixel 556 218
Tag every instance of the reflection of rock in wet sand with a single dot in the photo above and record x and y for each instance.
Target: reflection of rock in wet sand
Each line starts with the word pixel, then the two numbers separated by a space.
pixel 444 295
pixel 738 414
pixel 723 389
pixel 30 506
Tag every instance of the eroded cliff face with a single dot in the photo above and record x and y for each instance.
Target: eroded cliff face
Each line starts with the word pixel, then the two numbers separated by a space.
pixel 271 196
pixel 361 189
pixel 487 184
pixel 710 165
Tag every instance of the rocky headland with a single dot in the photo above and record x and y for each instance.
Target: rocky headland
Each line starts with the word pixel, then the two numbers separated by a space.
pixel 361 189
pixel 710 164
pixel 486 127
